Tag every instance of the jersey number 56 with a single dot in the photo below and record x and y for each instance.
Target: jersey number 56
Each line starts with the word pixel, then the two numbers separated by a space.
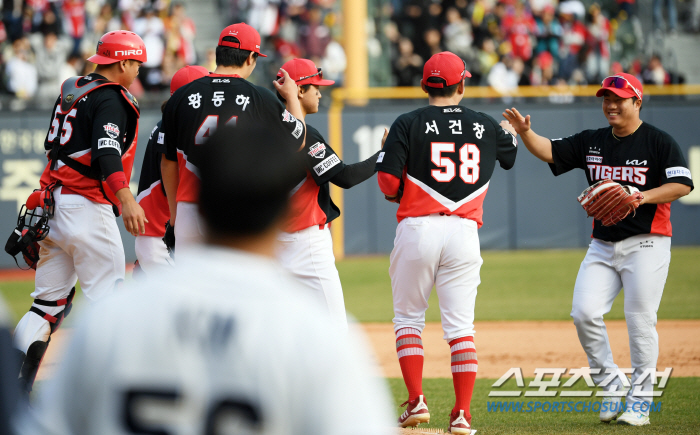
pixel 468 155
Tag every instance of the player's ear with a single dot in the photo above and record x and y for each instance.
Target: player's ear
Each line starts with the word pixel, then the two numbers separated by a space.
pixel 460 88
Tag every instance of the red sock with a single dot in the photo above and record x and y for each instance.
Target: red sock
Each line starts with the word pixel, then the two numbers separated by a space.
pixel 464 365
pixel 409 348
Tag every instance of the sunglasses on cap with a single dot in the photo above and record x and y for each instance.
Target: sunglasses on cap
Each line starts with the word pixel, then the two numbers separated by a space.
pixel 319 72
pixel 618 82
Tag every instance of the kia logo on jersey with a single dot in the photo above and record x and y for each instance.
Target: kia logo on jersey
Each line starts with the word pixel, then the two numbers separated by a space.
pixel 111 130
pixel 637 162
pixel 317 150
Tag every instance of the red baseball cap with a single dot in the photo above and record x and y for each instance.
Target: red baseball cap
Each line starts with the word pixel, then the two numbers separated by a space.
pixel 248 38
pixel 447 66
pixel 185 75
pixel 304 72
pixel 119 45
pixel 623 85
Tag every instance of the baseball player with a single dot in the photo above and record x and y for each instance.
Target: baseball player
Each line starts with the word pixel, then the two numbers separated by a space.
pixel 235 355
pixel 635 253
pixel 90 145
pixel 225 97
pixel 151 252
pixel 306 248
pixel 437 163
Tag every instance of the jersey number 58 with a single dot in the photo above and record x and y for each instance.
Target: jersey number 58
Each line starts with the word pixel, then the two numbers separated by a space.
pixel 468 155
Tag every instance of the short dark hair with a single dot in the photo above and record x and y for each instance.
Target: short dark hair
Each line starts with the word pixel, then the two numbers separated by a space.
pixel 229 56
pixel 305 88
pixel 445 91
pixel 246 176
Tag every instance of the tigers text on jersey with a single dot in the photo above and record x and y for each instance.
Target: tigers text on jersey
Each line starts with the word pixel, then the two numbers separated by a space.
pixel 151 195
pixel 100 123
pixel 449 154
pixel 196 110
pixel 311 202
pixel 646 159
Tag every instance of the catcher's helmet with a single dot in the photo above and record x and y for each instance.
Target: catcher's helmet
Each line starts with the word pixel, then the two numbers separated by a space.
pixel 119 45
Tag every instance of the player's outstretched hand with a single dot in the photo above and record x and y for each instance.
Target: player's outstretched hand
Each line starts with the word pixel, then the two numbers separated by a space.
pixel 506 125
pixel 520 124
pixel 286 87
pixel 386 133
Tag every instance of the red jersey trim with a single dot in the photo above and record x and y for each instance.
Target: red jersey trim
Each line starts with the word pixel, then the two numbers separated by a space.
pixel 662 220
pixel 188 187
pixel 304 208
pixel 155 206
pixel 421 200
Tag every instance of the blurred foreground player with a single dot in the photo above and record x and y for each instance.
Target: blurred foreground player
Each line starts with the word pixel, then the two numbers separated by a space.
pixel 225 343
pixel 151 251
pixel 306 247
pixel 437 163
pixel 90 145
pixel 633 253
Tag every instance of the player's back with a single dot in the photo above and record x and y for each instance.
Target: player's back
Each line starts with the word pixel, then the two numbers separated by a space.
pixel 445 156
pixel 196 110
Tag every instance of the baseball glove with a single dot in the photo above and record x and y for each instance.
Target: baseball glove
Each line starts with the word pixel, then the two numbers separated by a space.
pixel 610 202
pixel 169 238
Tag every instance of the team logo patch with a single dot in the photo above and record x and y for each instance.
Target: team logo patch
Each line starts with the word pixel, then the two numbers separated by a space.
pixel 594 150
pixel 111 130
pixel 326 164
pixel 594 159
pixel 317 150
pixel 288 117
pixel 380 158
pixel 109 143
pixel 69 98
pixel 161 138
pixel 452 110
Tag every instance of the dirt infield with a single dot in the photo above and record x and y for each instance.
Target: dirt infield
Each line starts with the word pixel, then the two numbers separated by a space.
pixel 502 345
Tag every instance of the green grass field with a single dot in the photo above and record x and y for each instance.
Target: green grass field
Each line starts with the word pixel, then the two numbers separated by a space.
pixel 677 415
pixel 518 285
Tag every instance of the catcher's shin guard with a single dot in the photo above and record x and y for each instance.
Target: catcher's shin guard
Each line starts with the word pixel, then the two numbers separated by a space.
pixel 33 335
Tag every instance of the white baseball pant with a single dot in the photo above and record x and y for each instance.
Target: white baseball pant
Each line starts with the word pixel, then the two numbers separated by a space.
pixel 640 265
pixel 152 254
pixel 308 256
pixel 189 227
pixel 437 250
pixel 83 244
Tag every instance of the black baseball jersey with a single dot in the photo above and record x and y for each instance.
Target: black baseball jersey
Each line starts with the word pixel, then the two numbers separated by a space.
pixel 151 195
pixel 646 159
pixel 445 156
pixel 100 123
pixel 195 111
pixel 311 202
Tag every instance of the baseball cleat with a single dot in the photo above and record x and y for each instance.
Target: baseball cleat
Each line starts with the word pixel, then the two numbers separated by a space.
pixel 632 418
pixel 459 424
pixel 611 407
pixel 416 413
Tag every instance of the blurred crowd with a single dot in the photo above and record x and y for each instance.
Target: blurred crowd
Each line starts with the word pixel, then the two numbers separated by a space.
pixel 506 43
pixel 44 42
